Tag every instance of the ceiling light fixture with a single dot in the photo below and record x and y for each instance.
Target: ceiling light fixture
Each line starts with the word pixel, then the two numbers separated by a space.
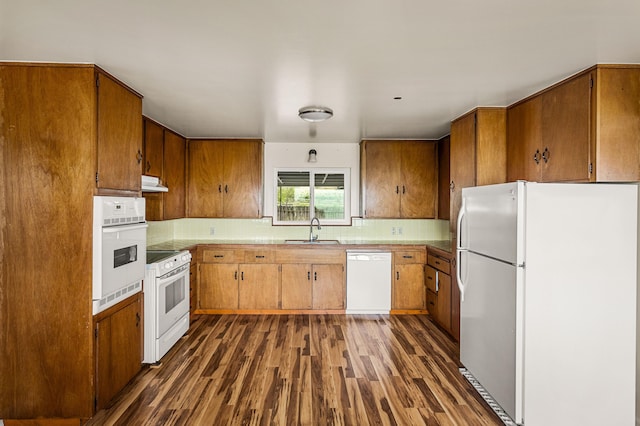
pixel 312 156
pixel 314 114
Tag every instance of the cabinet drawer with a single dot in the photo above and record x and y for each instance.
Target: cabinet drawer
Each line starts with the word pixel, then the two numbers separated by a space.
pixel 222 256
pixel 409 256
pixel 430 278
pixel 259 256
pixel 439 263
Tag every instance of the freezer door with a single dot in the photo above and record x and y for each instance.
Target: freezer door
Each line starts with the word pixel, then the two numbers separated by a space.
pixel 488 221
pixel 488 327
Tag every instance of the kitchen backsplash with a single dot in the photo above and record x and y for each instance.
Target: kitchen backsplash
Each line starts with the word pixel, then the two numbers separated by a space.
pixel 262 229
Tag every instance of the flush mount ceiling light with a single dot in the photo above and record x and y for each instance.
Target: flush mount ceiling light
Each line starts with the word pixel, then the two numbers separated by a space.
pixel 312 156
pixel 315 114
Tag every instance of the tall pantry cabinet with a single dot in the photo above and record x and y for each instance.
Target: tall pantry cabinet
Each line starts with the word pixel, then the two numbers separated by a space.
pixel 68 132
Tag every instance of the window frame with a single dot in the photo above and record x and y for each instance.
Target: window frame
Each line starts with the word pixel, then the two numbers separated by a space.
pixel 345 171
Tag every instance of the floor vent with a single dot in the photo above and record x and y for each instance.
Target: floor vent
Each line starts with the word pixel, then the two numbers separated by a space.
pixel 488 398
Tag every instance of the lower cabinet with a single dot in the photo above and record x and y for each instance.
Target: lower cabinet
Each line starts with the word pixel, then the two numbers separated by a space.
pixel 309 286
pixel 118 332
pixel 218 286
pixel 259 286
pixel 439 290
pixel 408 283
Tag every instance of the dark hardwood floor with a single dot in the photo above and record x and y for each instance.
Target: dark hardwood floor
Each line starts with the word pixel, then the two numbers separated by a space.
pixel 304 370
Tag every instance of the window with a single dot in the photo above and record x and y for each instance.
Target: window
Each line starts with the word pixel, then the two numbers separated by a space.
pixel 325 192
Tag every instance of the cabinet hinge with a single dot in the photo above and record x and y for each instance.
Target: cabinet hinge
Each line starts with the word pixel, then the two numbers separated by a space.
pixel 95 333
pixel 98 80
pixel 96 177
pixel 590 168
pixel 590 82
pixel 95 404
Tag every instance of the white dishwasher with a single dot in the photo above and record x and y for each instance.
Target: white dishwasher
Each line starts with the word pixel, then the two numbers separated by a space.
pixel 368 282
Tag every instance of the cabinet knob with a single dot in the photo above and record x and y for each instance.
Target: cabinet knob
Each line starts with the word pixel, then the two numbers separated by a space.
pixel 536 156
pixel 546 155
pixel 139 157
pixel 452 186
pixel 148 166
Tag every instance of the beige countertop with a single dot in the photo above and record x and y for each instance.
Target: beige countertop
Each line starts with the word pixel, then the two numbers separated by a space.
pixel 444 245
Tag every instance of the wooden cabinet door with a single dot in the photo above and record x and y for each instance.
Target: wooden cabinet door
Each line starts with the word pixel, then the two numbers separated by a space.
pixel 153 148
pixel 259 286
pixel 242 179
pixel 118 351
pixel 566 129
pixel 218 286
pixel 418 180
pixel 524 140
pixel 409 287
pixel 329 291
pixel 296 286
pixel 463 163
pixel 444 176
pixel 382 178
pixel 119 136
pixel 205 178
pixel 174 176
pixel 443 301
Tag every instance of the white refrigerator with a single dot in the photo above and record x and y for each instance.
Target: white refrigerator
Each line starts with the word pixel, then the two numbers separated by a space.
pixel 548 276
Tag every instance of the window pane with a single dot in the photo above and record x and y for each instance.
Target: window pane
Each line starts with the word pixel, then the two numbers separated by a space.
pixel 293 196
pixel 328 195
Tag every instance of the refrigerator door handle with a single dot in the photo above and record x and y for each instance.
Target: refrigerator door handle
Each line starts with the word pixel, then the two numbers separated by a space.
pixel 461 214
pixel 458 273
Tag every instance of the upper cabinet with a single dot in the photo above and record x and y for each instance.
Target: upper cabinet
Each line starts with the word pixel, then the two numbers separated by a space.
pixel 399 179
pixel 444 155
pixel 586 128
pixel 119 135
pixel 478 153
pixel 224 178
pixel 165 158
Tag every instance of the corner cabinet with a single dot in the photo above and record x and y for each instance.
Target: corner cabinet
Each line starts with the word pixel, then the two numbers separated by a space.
pixel 118 333
pixel 63 126
pixel 224 178
pixel 399 179
pixel 583 129
pixel 478 153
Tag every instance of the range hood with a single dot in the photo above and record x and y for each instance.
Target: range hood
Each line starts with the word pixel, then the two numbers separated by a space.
pixel 152 184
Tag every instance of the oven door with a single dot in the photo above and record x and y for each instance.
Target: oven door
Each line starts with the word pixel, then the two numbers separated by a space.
pixel 123 258
pixel 172 300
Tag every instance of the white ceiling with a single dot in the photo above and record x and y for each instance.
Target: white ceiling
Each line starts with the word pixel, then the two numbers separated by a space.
pixel 241 68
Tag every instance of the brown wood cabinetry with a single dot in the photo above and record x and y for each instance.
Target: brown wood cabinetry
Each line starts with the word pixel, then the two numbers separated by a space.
pixel 193 284
pixel 444 149
pixel 478 153
pixel 399 179
pixel 165 157
pixel 59 131
pixel 438 273
pixel 119 131
pixel 225 178
pixel 408 284
pixel 585 128
pixel 119 346
pixel 313 286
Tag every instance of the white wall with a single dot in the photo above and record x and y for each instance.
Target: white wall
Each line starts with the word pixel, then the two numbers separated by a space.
pixel 295 155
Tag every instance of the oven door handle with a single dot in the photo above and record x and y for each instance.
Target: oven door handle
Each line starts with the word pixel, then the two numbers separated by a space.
pixel 124 228
pixel 168 279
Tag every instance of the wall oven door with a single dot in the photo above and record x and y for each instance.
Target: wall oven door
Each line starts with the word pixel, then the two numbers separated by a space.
pixel 173 299
pixel 123 256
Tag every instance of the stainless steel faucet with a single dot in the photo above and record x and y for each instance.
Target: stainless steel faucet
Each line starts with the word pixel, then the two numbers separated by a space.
pixel 311 236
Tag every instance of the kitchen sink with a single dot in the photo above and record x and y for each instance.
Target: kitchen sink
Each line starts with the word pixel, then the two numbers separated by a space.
pixel 319 242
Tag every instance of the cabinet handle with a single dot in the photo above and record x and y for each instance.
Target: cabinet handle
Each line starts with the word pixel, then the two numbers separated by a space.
pixel 242 276
pixel 315 276
pixel 235 275
pixel 431 303
pixel 259 257
pixel 397 275
pixel 546 155
pixel 220 188
pixel 308 275
pixel 139 157
pixel 218 255
pixel 452 186
pixel 403 189
pixel 226 189
pixel 397 189
pixel 536 156
pixel 437 262
pixel 137 319
pixel 148 165
pixel 407 257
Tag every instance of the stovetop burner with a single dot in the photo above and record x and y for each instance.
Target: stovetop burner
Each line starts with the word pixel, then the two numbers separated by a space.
pixel 154 256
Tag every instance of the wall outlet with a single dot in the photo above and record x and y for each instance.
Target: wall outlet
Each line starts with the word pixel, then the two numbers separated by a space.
pixel 393 230
pixel 212 231
pixel 399 230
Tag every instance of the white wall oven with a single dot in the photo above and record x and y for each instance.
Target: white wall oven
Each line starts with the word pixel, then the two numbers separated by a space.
pixel 166 302
pixel 119 249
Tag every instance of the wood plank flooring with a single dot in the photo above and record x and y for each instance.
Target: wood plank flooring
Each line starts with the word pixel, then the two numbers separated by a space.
pixel 304 370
